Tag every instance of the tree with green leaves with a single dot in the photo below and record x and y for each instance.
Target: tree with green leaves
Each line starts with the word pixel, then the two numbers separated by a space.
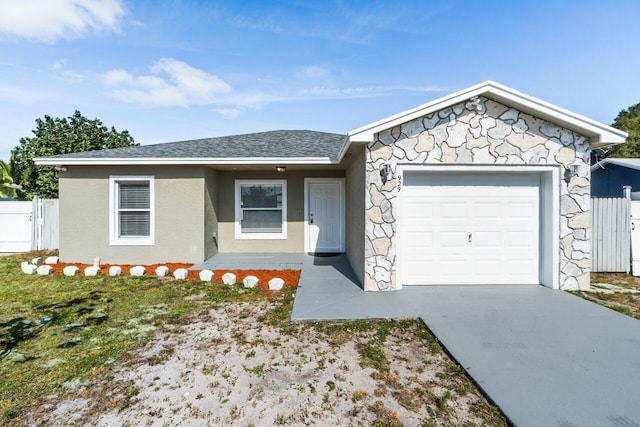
pixel 54 136
pixel 7 186
pixel 629 121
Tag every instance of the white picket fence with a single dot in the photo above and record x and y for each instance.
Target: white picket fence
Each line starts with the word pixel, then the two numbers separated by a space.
pixel 26 226
pixel 15 226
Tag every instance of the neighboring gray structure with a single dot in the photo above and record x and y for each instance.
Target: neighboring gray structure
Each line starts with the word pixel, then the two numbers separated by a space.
pixel 610 175
pixel 486 185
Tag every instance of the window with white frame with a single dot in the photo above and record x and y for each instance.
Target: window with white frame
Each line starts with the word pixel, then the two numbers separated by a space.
pixel 261 209
pixel 131 216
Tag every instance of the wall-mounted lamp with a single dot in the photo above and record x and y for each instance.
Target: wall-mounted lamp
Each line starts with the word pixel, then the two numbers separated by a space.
pixel 385 172
pixel 571 171
pixel 60 168
pixel 281 169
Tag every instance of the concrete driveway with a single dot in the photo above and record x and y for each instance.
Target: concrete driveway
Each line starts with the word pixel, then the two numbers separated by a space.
pixel 545 357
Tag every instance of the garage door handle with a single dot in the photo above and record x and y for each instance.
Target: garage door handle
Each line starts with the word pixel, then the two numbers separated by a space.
pixel 470 234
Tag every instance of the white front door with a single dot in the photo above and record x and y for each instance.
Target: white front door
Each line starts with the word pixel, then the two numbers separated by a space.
pixel 470 229
pixel 324 222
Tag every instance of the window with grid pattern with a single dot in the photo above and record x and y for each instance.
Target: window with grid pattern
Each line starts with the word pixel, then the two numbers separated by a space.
pixel 261 209
pixel 131 210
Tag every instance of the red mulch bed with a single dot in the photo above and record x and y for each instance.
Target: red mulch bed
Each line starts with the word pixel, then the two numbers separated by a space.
pixel 290 277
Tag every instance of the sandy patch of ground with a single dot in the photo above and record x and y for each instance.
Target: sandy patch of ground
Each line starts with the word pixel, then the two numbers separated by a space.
pixel 229 366
pixel 617 291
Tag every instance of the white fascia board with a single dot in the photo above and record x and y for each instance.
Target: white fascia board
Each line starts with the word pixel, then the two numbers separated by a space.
pixel 71 161
pixel 345 146
pixel 599 133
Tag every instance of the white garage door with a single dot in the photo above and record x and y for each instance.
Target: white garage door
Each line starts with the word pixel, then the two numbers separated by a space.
pixel 470 228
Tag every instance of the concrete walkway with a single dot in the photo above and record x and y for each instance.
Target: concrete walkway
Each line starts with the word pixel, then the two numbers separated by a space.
pixel 252 261
pixel 545 357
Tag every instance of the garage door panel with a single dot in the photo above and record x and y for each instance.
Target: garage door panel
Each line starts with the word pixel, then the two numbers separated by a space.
pixel 452 265
pixel 470 228
pixel 452 239
pixel 486 239
pixel 488 210
pixel 420 211
pixel 486 268
pixel 519 209
pixel 520 239
pixel 453 209
pixel 419 239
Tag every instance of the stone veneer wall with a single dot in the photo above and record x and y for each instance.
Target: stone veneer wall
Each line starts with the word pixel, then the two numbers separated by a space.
pixel 479 131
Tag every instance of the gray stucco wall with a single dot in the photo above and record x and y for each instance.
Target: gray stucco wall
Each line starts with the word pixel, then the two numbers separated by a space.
pixel 479 131
pixel 179 215
pixel 355 175
pixel 295 210
pixel 210 212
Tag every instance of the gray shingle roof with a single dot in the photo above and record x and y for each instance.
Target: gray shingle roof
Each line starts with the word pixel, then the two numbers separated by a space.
pixel 277 143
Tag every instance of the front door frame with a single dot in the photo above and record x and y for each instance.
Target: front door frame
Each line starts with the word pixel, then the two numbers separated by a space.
pixel 307 193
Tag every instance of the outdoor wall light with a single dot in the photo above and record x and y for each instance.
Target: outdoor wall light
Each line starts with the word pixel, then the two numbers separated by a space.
pixel 571 171
pixel 385 172
pixel 281 169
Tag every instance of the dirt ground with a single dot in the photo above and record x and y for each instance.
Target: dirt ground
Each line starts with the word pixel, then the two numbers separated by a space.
pixel 234 365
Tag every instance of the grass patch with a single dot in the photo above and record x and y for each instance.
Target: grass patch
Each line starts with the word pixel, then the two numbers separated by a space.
pixel 622 302
pixel 61 336
pixel 58 329
pixel 373 356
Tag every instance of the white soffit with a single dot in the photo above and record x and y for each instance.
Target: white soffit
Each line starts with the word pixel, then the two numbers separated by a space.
pixel 598 133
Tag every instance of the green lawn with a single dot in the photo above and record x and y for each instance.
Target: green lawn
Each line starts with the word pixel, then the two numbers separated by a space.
pixel 55 329
pixel 63 337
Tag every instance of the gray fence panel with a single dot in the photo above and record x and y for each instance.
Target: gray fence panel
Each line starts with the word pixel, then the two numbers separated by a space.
pixel 611 235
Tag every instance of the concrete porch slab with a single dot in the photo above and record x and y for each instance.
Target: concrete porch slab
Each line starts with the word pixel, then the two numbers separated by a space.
pixel 254 261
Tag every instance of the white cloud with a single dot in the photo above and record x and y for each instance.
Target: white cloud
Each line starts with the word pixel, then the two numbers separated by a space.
pixel 116 77
pixel 194 83
pixel 60 67
pixel 314 73
pixel 322 92
pixel 230 112
pixel 171 83
pixel 50 20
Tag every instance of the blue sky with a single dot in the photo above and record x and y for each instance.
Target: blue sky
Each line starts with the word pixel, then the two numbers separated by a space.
pixel 174 70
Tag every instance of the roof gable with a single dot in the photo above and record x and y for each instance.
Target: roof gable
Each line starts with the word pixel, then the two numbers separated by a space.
pixel 598 133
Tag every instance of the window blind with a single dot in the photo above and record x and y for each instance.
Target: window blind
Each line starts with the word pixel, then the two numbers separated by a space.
pixel 134 211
